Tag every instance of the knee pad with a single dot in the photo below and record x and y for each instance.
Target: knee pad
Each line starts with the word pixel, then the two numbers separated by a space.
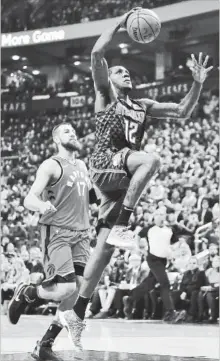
pixel 70 278
pixel 79 269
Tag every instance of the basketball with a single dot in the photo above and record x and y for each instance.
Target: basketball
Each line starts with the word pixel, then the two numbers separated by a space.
pixel 143 26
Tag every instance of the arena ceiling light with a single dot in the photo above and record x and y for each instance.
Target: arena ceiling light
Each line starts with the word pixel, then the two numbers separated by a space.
pixel 15 57
pixel 77 63
pixel 123 45
pixel 24 58
pixel 25 67
pixel 36 72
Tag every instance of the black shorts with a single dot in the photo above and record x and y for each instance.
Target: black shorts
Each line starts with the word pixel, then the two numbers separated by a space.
pixel 112 183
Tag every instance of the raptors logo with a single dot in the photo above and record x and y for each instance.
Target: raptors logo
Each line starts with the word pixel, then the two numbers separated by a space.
pixel 51 269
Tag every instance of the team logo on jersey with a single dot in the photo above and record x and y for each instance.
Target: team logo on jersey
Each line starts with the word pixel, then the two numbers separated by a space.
pixel 77 176
pixel 51 269
pixel 135 114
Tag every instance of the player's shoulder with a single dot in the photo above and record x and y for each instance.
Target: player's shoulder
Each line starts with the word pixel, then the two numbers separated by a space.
pixel 49 165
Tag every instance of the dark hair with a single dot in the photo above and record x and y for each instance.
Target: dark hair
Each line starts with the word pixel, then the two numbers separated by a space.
pixel 205 199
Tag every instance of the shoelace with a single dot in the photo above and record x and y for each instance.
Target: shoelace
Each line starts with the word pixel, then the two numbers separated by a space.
pixel 123 232
pixel 77 328
pixel 80 326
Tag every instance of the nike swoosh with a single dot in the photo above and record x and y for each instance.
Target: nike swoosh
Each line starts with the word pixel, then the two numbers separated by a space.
pixel 17 298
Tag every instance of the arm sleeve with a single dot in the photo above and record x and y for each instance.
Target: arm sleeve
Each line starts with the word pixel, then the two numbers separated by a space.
pixel 93 197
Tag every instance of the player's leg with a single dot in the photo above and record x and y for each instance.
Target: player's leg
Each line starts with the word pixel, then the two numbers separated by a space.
pixel 109 208
pixel 141 166
pixel 157 267
pixel 97 262
pixel 60 275
pixel 43 349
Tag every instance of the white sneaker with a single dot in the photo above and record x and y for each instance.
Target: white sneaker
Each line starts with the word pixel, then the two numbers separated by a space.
pixel 75 327
pixel 122 237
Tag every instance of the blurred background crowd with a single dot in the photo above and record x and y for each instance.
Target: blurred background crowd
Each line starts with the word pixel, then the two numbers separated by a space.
pixel 186 187
pixel 34 14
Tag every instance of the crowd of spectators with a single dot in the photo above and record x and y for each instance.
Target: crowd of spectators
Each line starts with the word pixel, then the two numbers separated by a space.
pixel 186 188
pixel 24 86
pixel 18 15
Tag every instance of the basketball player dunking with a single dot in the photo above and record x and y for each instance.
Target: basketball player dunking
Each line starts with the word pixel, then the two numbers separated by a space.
pixel 61 193
pixel 118 168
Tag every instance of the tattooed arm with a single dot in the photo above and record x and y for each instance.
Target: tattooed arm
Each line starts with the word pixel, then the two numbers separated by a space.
pixel 185 108
pixel 98 62
pixel 103 87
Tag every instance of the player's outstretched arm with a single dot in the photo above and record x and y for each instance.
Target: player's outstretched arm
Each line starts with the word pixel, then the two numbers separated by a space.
pixel 98 62
pixel 185 108
pixel 33 201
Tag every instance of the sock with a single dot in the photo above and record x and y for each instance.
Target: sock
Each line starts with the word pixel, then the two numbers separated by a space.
pixel 80 306
pixel 124 216
pixel 31 294
pixel 52 332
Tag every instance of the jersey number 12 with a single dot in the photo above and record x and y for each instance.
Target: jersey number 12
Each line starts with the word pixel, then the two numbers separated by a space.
pixel 130 131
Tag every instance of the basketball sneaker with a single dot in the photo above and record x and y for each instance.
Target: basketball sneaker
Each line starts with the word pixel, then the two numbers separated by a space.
pixel 75 327
pixel 174 316
pixel 43 351
pixel 17 304
pixel 121 237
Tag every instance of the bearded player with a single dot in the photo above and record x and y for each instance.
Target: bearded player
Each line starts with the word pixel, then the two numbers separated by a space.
pixel 118 168
pixel 61 193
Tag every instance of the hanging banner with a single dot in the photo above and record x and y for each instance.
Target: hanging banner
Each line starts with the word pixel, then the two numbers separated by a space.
pixel 44 104
pixel 156 91
pixel 171 12
pixel 14 107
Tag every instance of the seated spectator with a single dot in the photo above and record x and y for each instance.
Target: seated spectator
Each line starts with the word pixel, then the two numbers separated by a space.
pixel 209 294
pixel 10 249
pixel 212 234
pixel 16 273
pixel 35 265
pixel 213 251
pixel 181 255
pixel 133 277
pixel 106 295
pixel 192 280
pixel 205 214
pixel 189 200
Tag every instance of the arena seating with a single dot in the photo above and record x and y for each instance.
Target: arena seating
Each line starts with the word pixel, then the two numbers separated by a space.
pixel 34 14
